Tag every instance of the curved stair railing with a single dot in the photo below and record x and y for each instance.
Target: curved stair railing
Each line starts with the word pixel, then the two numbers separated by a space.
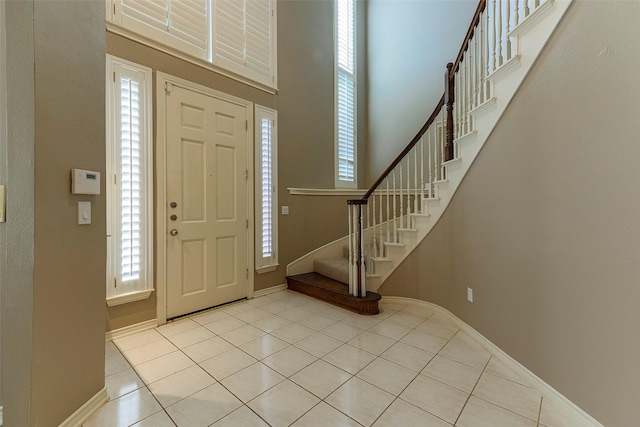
pixel 399 199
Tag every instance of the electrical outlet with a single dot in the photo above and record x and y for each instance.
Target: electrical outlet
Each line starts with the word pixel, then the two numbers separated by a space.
pixel 469 294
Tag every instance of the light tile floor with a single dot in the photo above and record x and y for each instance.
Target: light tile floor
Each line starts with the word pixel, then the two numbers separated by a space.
pixel 288 360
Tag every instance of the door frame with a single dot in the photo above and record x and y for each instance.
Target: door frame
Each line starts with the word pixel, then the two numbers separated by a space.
pixel 162 79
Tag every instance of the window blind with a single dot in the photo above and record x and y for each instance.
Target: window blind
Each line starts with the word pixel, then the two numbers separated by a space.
pixel 244 38
pixel 182 24
pixel 345 93
pixel 266 185
pixel 129 183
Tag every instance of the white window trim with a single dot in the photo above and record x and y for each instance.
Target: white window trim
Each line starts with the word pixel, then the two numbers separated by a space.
pixel 338 182
pixel 269 85
pixel 264 265
pixel 145 287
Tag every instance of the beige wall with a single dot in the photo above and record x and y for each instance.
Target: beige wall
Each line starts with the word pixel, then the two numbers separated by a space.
pixel 305 136
pixel 409 44
pixel 17 269
pixel 56 122
pixel 545 225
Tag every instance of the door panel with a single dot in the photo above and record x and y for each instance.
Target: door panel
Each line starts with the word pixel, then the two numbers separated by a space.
pixel 206 163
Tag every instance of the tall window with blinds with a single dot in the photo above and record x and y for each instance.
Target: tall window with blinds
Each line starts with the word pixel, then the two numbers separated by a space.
pixel 129 183
pixel 238 36
pixel 345 93
pixel 266 185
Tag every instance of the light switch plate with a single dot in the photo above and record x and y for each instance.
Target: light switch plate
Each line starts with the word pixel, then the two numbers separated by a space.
pixel 3 203
pixel 84 213
pixel 285 210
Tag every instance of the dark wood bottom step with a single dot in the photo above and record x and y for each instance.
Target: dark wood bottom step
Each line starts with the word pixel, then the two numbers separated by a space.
pixel 331 291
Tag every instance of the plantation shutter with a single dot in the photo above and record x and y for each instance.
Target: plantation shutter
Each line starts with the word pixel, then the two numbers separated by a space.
pixel 345 93
pixel 266 185
pixel 129 183
pixel 181 24
pixel 244 38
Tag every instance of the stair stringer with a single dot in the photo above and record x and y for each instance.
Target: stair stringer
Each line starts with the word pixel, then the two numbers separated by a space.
pixel 530 38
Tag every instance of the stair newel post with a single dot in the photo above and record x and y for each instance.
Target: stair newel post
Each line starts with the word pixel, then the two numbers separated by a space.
pixel 388 212
pixel 362 271
pixel 380 238
pixel 421 174
pixel 374 244
pixel 401 198
pixel 351 269
pixel 449 93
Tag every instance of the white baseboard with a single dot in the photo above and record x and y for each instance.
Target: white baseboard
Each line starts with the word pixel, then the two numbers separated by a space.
pixel 579 416
pixel 130 330
pixel 263 292
pixel 0 416
pixel 87 410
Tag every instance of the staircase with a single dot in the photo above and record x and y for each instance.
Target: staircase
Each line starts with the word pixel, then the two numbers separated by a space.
pixel 408 199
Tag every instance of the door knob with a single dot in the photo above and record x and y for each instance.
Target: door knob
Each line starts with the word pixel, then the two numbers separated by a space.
pixel 173 204
pixel 174 232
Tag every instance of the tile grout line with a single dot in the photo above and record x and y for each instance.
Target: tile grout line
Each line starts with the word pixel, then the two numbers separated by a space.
pixel 539 412
pixel 145 385
pixel 472 390
pixel 334 322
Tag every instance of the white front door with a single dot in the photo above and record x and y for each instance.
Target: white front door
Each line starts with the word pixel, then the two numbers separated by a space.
pixel 206 193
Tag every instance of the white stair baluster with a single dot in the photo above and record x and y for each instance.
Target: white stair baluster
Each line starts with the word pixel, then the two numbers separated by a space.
pixel 431 169
pixel 388 212
pixel 487 91
pixel 481 56
pixel 499 27
pixel 508 28
pixel 408 193
pixel 476 63
pixel 395 210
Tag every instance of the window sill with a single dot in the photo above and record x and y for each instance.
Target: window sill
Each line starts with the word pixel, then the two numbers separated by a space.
pixel 267 269
pixel 326 192
pixel 130 297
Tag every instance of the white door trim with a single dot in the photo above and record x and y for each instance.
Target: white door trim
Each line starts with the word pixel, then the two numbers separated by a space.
pixel 162 80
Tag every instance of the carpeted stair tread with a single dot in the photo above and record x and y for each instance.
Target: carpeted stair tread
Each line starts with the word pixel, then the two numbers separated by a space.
pixel 336 268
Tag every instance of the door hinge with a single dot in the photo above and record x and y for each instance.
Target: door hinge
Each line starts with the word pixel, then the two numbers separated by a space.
pixel 246 125
pixel 114 76
pixel 115 282
pixel 246 174
pixel 114 9
pixel 247 273
pixel 247 224
pixel 168 87
pixel 115 179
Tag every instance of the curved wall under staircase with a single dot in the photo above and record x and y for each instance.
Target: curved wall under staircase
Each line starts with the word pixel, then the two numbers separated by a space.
pixel 545 226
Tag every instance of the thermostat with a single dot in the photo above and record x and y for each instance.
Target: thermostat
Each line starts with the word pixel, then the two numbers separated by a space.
pixel 85 182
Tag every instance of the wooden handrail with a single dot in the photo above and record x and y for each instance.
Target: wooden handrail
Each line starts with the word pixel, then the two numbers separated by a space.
pixel 465 44
pixel 448 96
pixel 408 148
